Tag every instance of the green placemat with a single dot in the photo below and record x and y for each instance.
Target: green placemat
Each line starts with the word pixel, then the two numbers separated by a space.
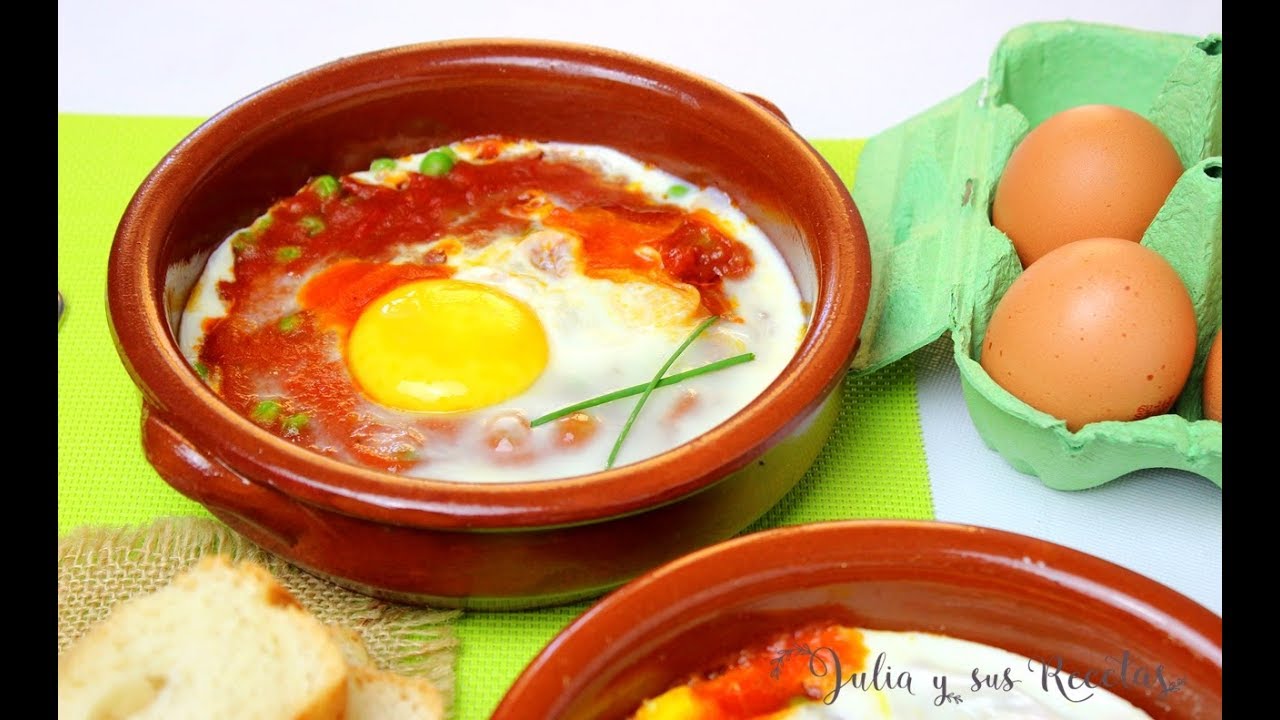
pixel 874 465
pixel 103 477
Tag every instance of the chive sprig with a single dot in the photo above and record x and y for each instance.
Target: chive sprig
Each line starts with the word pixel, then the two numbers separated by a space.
pixel 648 390
pixel 637 389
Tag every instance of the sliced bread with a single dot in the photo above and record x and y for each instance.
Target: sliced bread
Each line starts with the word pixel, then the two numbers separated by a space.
pixel 220 641
pixel 374 694
pixel 351 645
pixel 378 695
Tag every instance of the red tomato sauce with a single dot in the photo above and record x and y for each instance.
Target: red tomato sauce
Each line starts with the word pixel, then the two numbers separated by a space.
pixel 340 293
pixel 767 678
pixel 341 242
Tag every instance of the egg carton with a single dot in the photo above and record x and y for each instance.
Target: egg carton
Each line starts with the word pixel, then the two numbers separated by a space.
pixel 924 189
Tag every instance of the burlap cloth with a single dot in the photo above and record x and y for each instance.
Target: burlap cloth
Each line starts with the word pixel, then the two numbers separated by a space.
pixel 99 567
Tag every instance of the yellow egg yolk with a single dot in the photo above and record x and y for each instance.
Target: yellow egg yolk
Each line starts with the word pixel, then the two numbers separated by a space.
pixel 444 346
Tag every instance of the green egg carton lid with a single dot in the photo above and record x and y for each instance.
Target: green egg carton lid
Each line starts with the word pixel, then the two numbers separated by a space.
pixel 924 189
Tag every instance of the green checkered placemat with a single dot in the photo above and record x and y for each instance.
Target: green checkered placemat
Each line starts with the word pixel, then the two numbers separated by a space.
pixel 874 465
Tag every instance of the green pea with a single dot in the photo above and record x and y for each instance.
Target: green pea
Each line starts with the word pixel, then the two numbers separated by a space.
pixel 677 191
pixel 289 323
pixel 260 225
pixel 202 370
pixel 266 411
pixel 325 186
pixel 312 224
pixel 437 163
pixel 294 424
pixel 288 252
pixel 382 165
pixel 242 241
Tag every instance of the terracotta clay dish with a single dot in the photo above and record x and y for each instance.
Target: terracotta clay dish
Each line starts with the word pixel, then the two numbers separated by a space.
pixel 1013 592
pixel 507 544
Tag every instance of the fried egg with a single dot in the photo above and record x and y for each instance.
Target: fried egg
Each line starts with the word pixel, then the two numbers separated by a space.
pixel 453 338
pixel 840 673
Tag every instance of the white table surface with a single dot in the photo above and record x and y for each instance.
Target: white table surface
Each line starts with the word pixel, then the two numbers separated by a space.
pixel 838 69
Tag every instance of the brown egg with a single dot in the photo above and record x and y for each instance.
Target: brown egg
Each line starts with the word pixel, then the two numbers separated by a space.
pixel 1091 171
pixel 1100 329
pixel 1213 380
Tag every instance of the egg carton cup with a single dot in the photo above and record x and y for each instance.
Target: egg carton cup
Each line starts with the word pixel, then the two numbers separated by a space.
pixel 924 189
